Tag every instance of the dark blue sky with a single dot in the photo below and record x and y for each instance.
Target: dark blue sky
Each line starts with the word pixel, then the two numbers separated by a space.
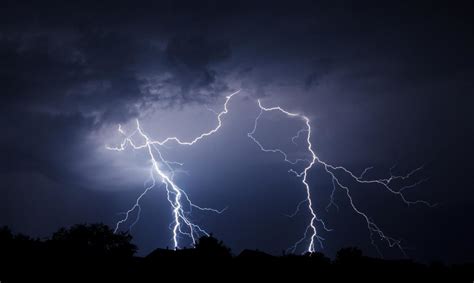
pixel 383 84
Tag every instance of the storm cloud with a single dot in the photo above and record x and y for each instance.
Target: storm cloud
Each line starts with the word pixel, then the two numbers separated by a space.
pixel 382 84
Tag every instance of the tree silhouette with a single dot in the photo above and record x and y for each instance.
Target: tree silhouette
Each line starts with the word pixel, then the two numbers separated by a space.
pixel 89 250
pixel 349 255
pixel 319 258
pixel 95 240
pixel 6 241
pixel 211 247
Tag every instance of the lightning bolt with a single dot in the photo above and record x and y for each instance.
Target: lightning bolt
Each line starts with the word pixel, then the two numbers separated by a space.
pixel 179 201
pixel 332 170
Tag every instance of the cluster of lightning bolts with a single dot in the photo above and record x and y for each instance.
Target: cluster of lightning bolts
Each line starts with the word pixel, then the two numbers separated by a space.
pixel 182 205
pixel 337 182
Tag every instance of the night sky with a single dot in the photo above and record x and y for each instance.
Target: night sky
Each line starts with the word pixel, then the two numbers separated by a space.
pixel 383 85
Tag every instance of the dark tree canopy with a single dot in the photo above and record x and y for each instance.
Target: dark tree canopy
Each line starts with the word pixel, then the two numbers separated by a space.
pixel 90 250
pixel 210 246
pixel 348 255
pixel 93 239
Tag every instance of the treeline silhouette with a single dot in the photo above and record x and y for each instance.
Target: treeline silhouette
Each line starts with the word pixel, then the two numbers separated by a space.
pixel 93 251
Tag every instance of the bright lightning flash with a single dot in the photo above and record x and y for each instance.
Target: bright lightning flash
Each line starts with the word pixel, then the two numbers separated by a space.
pixel 182 205
pixel 179 201
pixel 332 170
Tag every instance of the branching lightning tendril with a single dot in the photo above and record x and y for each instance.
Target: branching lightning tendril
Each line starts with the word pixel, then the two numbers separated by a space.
pixel 177 197
pixel 337 183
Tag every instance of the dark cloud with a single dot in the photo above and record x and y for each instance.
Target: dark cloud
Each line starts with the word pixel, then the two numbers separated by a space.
pixel 190 76
pixel 52 73
pixel 97 74
pixel 68 70
pixel 196 52
pixel 320 68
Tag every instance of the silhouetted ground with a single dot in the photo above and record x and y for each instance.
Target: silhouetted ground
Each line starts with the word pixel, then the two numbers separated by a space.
pixel 93 252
